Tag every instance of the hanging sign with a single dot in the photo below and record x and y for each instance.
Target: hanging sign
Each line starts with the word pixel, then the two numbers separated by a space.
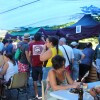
pixel 78 29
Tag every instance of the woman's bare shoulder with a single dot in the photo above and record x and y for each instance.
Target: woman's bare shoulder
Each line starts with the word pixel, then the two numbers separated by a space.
pixel 52 71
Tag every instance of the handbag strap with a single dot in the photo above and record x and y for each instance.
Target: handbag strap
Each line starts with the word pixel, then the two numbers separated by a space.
pixel 66 54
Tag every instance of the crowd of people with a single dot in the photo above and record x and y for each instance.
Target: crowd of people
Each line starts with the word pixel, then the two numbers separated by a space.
pixel 51 59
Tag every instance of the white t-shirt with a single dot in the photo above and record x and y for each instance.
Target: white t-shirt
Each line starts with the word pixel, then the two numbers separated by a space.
pixel 69 51
pixel 12 69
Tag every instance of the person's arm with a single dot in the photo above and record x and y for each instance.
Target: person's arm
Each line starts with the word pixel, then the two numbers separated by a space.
pixel 27 53
pixel 45 55
pixel 27 56
pixel 30 52
pixel 5 67
pixel 30 56
pixel 70 81
pixel 72 57
pixel 53 82
pixel 82 56
pixel 72 61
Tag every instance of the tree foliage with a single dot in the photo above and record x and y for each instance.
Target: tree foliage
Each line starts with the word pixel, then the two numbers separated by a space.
pixel 62 26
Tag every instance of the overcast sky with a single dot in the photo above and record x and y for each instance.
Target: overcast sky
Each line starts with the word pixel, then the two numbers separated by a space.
pixel 37 13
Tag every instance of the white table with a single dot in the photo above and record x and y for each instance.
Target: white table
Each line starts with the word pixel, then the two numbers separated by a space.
pixel 66 95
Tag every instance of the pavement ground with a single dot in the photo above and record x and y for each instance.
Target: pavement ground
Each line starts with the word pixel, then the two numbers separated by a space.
pixel 12 94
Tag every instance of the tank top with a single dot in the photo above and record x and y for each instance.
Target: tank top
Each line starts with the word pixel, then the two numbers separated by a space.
pixel 54 53
pixel 49 89
pixel 10 71
pixel 64 82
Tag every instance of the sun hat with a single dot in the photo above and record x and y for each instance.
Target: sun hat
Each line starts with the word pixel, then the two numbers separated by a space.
pixel 74 43
pixel 26 36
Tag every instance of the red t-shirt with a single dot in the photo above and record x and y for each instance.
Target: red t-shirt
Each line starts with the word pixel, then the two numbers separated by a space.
pixel 36 49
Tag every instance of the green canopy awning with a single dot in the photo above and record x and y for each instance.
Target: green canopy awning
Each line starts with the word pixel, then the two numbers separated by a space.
pixel 31 31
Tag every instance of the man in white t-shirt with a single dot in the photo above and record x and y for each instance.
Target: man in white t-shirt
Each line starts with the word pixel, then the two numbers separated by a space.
pixel 62 42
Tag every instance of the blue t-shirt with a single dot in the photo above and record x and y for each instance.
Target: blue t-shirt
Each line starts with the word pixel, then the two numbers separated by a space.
pixel 77 55
pixel 89 53
pixel 9 48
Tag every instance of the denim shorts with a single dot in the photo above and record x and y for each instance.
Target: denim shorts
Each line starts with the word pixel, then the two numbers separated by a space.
pixel 45 72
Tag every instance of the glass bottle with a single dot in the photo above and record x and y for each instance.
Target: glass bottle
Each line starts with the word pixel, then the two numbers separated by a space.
pixel 80 93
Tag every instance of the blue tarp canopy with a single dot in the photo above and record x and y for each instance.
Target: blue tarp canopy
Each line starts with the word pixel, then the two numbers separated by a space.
pixel 86 20
pixel 89 27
